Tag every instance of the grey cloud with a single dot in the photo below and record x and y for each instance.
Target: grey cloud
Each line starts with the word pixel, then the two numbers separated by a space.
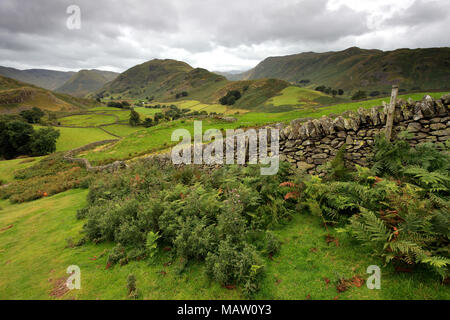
pixel 421 12
pixel 308 20
pixel 211 33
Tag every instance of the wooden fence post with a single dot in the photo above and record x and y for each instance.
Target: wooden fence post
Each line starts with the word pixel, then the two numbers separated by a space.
pixel 391 113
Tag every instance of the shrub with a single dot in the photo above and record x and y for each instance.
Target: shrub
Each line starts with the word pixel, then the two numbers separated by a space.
pixel 33 115
pixel 273 244
pixel 399 208
pixel 359 95
pixel 151 243
pixel 148 122
pixel 131 287
pixel 201 215
pixel 135 118
pixel 230 98
pixel 235 264
pixel 116 255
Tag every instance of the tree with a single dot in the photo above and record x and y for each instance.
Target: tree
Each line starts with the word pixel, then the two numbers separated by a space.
pixel 114 104
pixel 334 92
pixel 230 98
pixel 43 141
pixel 158 116
pixel 321 88
pixel 135 119
pixel 148 122
pixel 340 92
pixel 304 81
pixel 15 137
pixel 33 115
pixel 359 95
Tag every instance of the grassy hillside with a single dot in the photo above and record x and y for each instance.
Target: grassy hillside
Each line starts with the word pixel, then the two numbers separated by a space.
pixel 16 96
pixel 296 97
pixel 86 81
pixel 48 79
pixel 159 78
pixel 164 79
pixel 35 256
pixel 355 69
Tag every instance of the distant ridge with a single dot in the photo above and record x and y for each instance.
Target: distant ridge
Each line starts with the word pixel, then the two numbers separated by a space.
pixel 361 69
pixel 47 79
pixel 16 96
pixel 86 81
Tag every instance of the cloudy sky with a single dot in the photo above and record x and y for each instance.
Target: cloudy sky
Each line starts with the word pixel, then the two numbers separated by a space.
pixel 214 34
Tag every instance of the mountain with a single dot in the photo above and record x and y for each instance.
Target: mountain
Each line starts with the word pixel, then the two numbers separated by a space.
pixel 164 79
pixel 360 69
pixel 16 96
pixel 86 81
pixel 47 79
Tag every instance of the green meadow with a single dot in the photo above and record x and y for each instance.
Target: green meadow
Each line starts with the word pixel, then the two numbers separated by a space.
pixel 71 138
pixel 88 120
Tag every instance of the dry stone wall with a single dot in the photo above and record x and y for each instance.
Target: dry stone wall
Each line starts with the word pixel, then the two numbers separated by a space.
pixel 307 144
pixel 317 141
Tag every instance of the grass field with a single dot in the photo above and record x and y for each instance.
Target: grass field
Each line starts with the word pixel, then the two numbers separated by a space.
pixel 71 138
pixel 146 112
pixel 36 245
pixel 296 96
pixel 87 120
pixel 121 114
pixel 195 105
pixel 123 130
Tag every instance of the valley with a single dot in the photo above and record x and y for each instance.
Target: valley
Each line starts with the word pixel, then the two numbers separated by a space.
pixel 229 233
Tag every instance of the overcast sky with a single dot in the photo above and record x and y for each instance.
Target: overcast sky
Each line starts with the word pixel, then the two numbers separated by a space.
pixel 217 35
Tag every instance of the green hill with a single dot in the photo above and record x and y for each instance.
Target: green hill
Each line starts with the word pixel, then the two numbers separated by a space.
pixel 360 69
pixel 48 79
pixel 164 79
pixel 86 81
pixel 16 96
